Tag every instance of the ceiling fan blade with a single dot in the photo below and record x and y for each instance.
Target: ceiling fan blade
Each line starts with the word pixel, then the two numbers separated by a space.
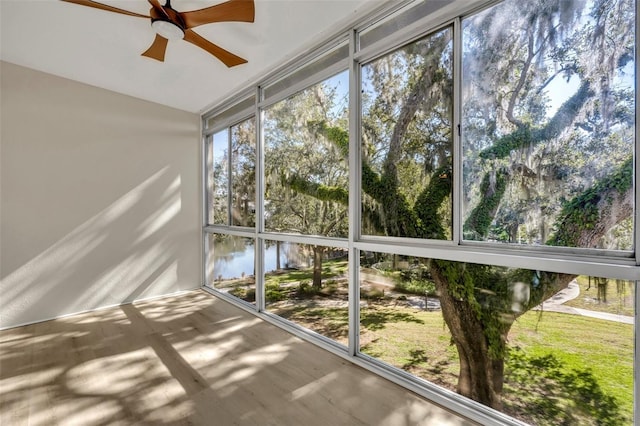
pixel 232 10
pixel 158 8
pixel 157 49
pixel 108 8
pixel 228 58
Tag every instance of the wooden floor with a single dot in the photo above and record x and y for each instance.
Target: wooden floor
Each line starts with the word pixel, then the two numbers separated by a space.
pixel 190 359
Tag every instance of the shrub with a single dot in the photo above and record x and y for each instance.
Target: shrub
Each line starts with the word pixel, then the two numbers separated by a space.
pixel 274 293
pixel 418 287
pixel 248 294
pixel 416 272
pixel 251 295
pixel 306 289
pixel 239 292
pixel 373 294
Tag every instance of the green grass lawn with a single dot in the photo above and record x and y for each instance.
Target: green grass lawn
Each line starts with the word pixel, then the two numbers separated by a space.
pixel 415 340
pixel 330 269
pixel 560 359
pixel 562 369
pixel 583 347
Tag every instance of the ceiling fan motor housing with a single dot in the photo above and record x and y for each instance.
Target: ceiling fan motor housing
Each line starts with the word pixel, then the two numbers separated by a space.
pixel 171 26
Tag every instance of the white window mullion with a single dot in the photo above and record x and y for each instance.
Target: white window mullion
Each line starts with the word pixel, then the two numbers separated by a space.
pixel 259 215
pixel 457 184
pixel 636 355
pixel 636 221
pixel 355 171
pixel 229 177
pixel 204 170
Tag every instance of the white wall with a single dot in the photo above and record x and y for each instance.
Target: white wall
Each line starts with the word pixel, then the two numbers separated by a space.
pixel 99 198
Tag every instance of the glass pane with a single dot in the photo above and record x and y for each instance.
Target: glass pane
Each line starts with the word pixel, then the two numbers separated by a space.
pixel 508 338
pixel 407 141
pixel 306 161
pixel 230 265
pixel 548 124
pixel 308 285
pixel 243 173
pixel 218 178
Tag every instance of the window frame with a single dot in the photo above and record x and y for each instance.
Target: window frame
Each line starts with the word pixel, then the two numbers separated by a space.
pixel 207 136
pixel 364 60
pixel 593 262
pixel 305 84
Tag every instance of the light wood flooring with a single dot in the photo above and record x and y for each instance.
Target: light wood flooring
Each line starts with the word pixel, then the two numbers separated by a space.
pixel 190 359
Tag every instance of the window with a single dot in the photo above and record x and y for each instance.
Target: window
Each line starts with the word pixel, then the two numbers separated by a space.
pixel 308 285
pixel 231 159
pixel 407 140
pixel 557 368
pixel 231 265
pixel 548 96
pixel 243 173
pixel 492 248
pixel 218 178
pixel 306 161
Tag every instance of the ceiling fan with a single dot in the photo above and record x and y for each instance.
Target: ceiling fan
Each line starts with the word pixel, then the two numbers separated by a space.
pixel 169 24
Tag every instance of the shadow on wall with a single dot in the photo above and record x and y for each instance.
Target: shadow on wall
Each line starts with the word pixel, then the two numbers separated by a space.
pixel 99 201
pixel 134 248
pixel 189 359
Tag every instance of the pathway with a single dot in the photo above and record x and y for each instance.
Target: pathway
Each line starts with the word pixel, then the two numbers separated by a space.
pixel 556 304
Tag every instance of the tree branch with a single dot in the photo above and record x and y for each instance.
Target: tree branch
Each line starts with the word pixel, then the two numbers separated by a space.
pixel 318 191
pixel 430 200
pixel 492 188
pixel 429 79
pixel 520 84
pixel 554 75
pixel 586 218
pixel 525 135
pixel 338 136
pixel 583 221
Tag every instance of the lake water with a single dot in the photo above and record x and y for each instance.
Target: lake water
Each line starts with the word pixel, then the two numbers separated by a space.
pixel 233 257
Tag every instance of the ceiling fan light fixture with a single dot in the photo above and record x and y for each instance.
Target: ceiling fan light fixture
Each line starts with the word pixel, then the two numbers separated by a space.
pixel 167 29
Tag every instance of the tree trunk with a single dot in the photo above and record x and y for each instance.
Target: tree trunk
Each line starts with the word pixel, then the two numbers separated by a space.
pixel 481 375
pixel 513 232
pixel 278 255
pixel 317 266
pixel 480 330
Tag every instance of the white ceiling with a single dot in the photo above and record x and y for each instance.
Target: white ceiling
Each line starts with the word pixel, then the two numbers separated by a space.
pixel 103 49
